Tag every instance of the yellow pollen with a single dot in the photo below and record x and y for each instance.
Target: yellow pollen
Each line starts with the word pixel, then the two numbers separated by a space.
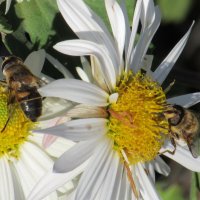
pixel 136 122
pixel 16 131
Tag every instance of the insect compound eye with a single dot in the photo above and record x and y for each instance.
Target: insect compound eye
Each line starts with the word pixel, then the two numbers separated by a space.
pixel 175 120
pixel 178 115
pixel 9 61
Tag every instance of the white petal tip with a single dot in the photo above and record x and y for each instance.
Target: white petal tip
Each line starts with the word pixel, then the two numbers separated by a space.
pixel 113 97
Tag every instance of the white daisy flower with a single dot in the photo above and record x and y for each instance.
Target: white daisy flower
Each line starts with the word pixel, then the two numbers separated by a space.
pixel 23 161
pixel 117 123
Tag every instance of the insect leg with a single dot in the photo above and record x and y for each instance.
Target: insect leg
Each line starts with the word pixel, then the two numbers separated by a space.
pixel 174 144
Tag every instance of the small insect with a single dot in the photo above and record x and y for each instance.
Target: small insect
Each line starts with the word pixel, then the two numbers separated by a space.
pixel 184 124
pixel 22 87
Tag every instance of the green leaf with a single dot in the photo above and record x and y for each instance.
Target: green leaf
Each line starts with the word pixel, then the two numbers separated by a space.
pixel 174 10
pixel 36 24
pixel 37 18
pixel 32 23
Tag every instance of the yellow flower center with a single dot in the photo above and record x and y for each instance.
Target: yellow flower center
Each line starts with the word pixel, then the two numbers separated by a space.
pixel 15 133
pixel 136 123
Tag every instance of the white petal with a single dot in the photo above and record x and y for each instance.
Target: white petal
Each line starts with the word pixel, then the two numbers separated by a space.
pixel 59 147
pixel 129 192
pixel 48 140
pixel 86 111
pixel 118 183
pixel 51 181
pixel 151 171
pixel 87 25
pixel 111 185
pixel 35 61
pixel 53 107
pixel 77 91
pixel 183 156
pixel 135 24
pixel 87 68
pixel 6 182
pixel 145 39
pixel 127 26
pixel 125 189
pixel 75 156
pixel 186 100
pixel 147 190
pixel 148 14
pixel 147 63
pixel 52 122
pixel 117 23
pixel 84 47
pixel 113 98
pixel 56 149
pixel 82 74
pixel 160 166
pixel 19 194
pixel 98 74
pixel 165 67
pixel 78 130
pixel 94 175
pixel 32 164
pixel 66 73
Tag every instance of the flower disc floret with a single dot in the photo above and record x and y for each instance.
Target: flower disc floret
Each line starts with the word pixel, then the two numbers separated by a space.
pixel 136 123
pixel 17 130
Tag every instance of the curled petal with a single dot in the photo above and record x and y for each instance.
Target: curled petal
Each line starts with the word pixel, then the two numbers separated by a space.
pixel 84 47
pixel 88 26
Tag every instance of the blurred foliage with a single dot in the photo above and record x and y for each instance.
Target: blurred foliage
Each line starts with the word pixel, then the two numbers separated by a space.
pixel 5 27
pixel 37 24
pixel 195 187
pixel 174 10
pixel 172 192
pixel 32 23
